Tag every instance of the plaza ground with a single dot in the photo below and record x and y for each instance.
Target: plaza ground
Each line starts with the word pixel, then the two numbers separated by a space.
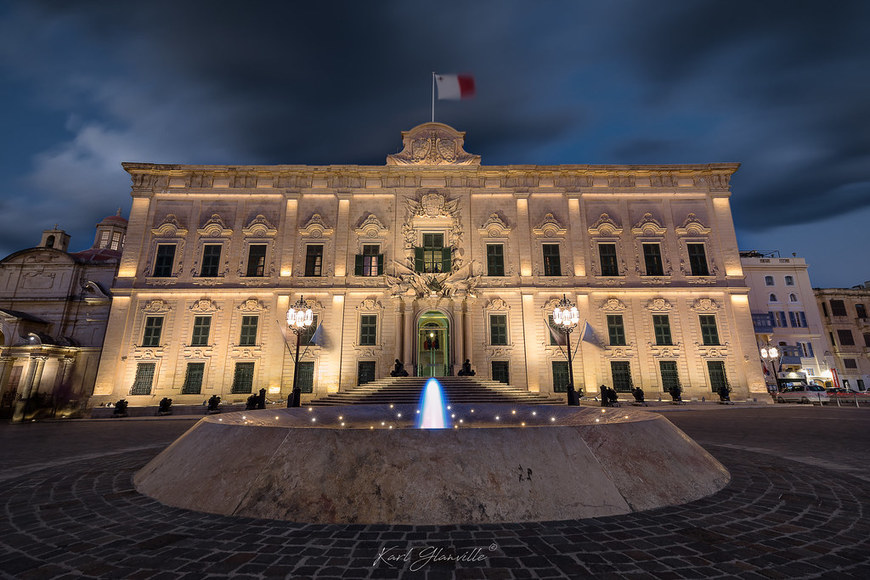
pixel 798 506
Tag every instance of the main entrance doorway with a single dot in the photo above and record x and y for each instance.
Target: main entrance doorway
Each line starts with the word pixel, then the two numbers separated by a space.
pixel 433 345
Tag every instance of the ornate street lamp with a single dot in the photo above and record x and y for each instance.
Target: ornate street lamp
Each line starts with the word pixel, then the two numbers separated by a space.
pixel 771 353
pixel 299 319
pixel 566 317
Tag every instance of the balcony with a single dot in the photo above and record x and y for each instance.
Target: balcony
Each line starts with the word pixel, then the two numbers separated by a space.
pixel 762 323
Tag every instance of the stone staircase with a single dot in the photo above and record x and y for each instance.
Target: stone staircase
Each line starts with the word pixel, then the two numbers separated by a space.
pixel 407 390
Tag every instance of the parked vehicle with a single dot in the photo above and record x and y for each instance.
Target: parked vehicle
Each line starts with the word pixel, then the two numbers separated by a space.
pixel 802 393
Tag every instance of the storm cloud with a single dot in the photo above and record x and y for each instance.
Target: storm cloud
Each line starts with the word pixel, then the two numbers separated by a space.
pixel 779 86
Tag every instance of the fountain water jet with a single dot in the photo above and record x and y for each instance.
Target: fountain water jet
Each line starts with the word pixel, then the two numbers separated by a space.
pixel 433 415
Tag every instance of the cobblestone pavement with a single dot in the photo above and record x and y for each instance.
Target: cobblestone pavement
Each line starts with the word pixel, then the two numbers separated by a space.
pixel 776 519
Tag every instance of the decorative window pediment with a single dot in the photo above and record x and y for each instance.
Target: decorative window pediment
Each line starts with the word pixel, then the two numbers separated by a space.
pixel 260 227
pixel 648 226
pixel 157 306
pixel 613 305
pixel 705 305
pixel 605 226
pixel 659 305
pixel 370 304
pixel 204 305
pixel 550 227
pixel 316 228
pixel 170 227
pixel 494 227
pixel 497 304
pixel 252 305
pixel 692 226
pixel 214 228
pixel 371 228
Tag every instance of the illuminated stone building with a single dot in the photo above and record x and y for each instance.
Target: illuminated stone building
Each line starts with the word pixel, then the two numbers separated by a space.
pixel 431 259
pixel 844 314
pixel 54 306
pixel 785 315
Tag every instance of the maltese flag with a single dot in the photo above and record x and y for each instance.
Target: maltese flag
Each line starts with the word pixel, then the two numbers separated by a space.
pixel 454 87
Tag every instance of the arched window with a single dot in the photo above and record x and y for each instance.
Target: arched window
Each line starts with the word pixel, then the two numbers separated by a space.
pixel 789 280
pixel 773 298
pixel 49 242
pixel 768 280
pixel 792 298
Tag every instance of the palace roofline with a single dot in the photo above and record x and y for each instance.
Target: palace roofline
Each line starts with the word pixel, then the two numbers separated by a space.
pixel 728 168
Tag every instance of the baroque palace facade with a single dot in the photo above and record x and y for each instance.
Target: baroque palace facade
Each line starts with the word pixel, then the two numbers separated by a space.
pixel 431 259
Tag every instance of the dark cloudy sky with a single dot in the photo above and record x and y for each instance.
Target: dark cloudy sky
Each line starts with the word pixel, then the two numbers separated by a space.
pixel 781 87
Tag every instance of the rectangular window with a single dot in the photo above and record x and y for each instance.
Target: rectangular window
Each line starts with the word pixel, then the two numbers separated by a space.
pixel 365 372
pixel 825 310
pixel 557 335
pixel 495 259
pixel 501 371
pixel 314 260
pixel 164 260
pixel 370 262
pixel 498 329
pixel 432 256
pixel 698 260
pixel 860 311
pixel 802 319
pixel 810 353
pixel 104 239
pixel 860 383
pixel 211 261
pixel 256 261
pixel 560 376
pixel 850 363
pixel 153 329
pixel 867 339
pixel 607 254
pixel 620 370
pixel 306 377
pixel 652 258
pixel 793 318
pixel 201 328
pixel 615 330
pixel 308 333
pixel 709 332
pixel 248 335
pixel 552 264
pixel 670 376
pixel 116 241
pixel 662 329
pixel 243 378
pixel 716 370
pixel 368 330
pixel 144 379
pixel 838 308
pixel 193 379
pixel 845 336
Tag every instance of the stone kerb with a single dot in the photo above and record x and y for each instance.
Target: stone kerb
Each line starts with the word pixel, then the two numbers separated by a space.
pixel 563 464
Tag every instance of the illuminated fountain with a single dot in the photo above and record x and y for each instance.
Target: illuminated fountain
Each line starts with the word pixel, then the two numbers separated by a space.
pixel 433 412
pixel 405 465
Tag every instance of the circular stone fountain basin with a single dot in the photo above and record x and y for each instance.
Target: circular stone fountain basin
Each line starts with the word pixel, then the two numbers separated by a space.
pixel 369 464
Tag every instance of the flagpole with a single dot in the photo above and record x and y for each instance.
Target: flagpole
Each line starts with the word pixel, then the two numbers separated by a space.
pixel 433 96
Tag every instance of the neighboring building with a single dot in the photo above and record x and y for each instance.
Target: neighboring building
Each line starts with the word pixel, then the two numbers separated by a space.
pixel 844 312
pixel 785 315
pixel 431 259
pixel 54 306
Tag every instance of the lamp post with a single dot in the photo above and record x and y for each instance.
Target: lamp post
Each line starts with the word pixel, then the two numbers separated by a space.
pixel 771 353
pixel 299 319
pixel 566 316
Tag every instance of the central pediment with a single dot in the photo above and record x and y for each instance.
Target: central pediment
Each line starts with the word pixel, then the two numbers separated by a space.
pixel 433 144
